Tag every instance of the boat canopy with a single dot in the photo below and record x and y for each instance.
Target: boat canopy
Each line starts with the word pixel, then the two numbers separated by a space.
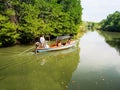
pixel 63 37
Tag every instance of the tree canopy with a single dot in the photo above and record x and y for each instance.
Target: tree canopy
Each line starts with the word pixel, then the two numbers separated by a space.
pixel 21 21
pixel 111 23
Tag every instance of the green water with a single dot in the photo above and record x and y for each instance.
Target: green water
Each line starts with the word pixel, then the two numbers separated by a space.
pixel 20 70
pixel 93 65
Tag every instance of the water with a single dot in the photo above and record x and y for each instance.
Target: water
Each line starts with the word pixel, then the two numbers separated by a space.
pixel 99 67
pixel 20 70
pixel 93 65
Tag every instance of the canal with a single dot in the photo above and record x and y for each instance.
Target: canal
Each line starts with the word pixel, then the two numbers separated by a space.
pixel 93 65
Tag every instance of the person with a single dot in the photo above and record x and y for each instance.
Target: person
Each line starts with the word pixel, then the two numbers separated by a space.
pixel 37 45
pixel 42 40
pixel 59 43
pixel 68 41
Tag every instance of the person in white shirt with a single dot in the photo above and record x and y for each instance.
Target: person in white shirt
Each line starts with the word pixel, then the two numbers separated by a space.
pixel 42 40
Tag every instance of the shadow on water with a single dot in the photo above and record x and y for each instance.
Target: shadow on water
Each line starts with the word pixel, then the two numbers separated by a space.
pixel 44 71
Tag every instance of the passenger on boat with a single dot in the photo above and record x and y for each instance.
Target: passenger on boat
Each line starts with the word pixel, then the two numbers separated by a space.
pixel 68 42
pixel 42 40
pixel 59 43
pixel 37 45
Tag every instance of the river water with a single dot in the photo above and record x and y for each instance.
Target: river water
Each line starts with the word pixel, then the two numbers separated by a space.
pixel 93 65
pixel 99 67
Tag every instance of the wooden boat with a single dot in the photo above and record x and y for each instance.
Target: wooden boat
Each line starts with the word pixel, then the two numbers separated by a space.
pixel 72 44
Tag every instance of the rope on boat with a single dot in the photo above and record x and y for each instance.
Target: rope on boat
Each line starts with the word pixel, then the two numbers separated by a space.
pixel 26 50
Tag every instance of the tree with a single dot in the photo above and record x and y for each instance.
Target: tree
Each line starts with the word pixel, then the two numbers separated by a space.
pixel 112 23
pixel 8 35
pixel 25 20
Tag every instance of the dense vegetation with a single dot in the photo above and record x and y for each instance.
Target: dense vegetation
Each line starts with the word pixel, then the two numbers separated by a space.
pixel 112 23
pixel 22 21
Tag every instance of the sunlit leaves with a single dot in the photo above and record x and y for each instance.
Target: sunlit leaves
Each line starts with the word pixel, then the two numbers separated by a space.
pixel 28 19
pixel 2 18
pixel 8 35
pixel 10 12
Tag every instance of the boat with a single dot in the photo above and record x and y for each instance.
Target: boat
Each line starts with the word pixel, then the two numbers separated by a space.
pixel 62 47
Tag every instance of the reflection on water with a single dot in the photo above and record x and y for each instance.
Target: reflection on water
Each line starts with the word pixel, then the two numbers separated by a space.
pixel 96 66
pixel 115 42
pixel 44 71
pixel 112 38
pixel 99 67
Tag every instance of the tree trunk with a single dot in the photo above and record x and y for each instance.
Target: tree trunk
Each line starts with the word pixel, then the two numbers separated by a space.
pixel 13 18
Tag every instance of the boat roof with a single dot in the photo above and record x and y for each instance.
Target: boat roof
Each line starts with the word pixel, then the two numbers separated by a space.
pixel 63 37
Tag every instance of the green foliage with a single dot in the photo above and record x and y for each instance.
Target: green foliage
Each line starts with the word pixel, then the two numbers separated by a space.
pixel 10 12
pixel 8 35
pixel 26 20
pixel 112 23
